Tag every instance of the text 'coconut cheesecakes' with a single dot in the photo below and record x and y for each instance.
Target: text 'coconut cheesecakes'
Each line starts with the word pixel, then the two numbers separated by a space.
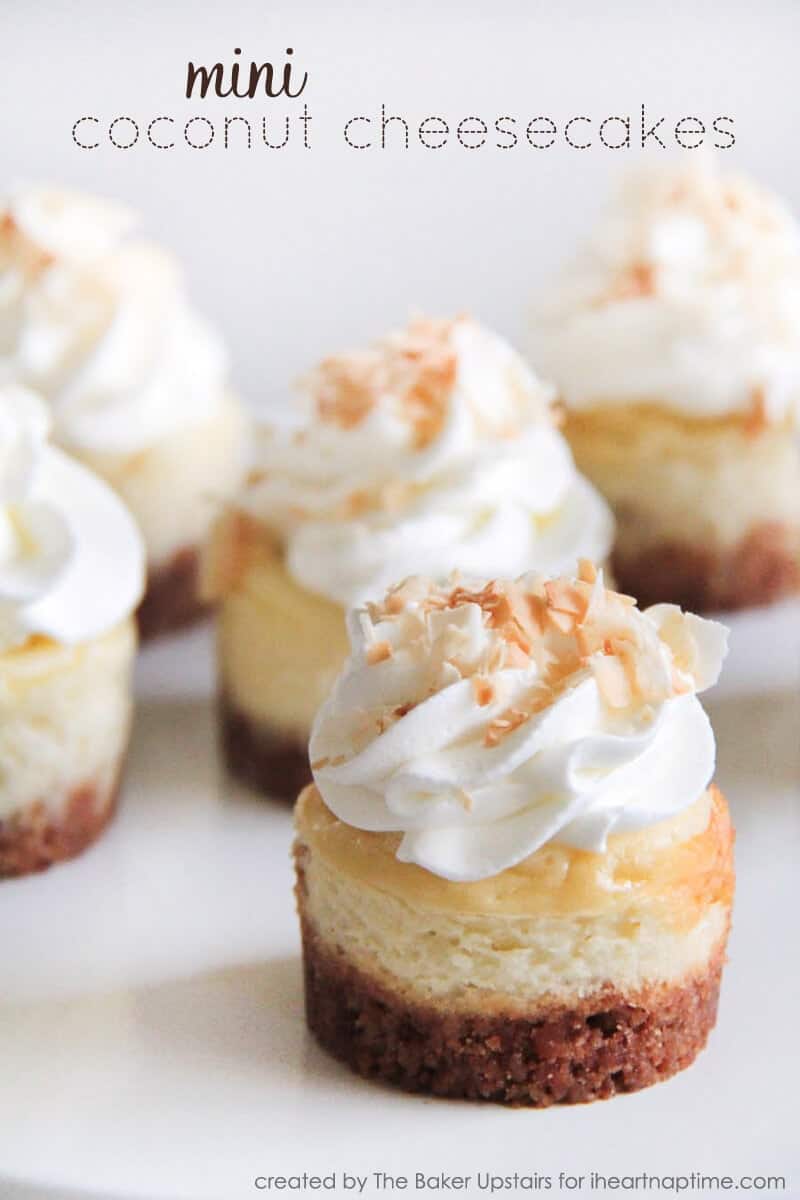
pixel 514 871
pixel 674 340
pixel 97 320
pixel 434 449
pixel 71 576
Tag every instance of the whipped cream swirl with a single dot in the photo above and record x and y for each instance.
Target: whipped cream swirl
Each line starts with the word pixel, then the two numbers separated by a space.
pixel 686 297
pixel 99 324
pixel 71 558
pixel 483 722
pixel 430 451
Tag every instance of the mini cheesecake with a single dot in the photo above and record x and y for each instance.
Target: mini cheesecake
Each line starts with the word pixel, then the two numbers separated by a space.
pixel 71 575
pixel 675 343
pixel 434 449
pixel 514 872
pixel 708 511
pixel 98 323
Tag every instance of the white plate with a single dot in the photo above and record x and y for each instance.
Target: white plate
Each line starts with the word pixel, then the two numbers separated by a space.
pixel 151 1035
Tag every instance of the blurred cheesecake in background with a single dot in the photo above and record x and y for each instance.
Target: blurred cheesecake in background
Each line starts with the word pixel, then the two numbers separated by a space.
pixel 433 450
pixel 514 874
pixel 674 341
pixel 98 322
pixel 71 575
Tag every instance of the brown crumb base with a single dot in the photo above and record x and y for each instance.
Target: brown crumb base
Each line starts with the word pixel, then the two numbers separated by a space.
pixel 36 838
pixel 271 763
pixel 172 599
pixel 762 568
pixel 607 1044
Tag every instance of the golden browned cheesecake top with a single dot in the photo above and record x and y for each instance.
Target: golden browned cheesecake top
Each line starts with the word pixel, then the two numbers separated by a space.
pixel 683 864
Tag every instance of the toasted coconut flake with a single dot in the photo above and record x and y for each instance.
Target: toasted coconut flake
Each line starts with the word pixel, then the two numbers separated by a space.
pixel 414 590
pixel 680 684
pixel 483 690
pixel 515 657
pixel 564 622
pixel 568 597
pixel 426 402
pixel 497 658
pixel 466 800
pixel 587 571
pixel 637 281
pixel 756 421
pixel 355 504
pixel 326 761
pixel 553 628
pixel 502 726
pixel 230 551
pixel 537 616
pixel 345 396
pixel 612 680
pixel 379 652
pixel 416 367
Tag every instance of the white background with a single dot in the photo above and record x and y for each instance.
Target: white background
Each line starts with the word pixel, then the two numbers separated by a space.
pixel 186 1070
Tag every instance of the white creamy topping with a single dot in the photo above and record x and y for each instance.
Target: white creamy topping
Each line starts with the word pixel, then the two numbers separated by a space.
pixel 482 723
pixel 687 297
pixel 71 558
pixel 430 451
pixel 100 325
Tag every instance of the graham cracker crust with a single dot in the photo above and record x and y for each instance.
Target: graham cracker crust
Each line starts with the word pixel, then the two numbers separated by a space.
pixel 608 1044
pixel 271 763
pixel 172 600
pixel 762 568
pixel 35 838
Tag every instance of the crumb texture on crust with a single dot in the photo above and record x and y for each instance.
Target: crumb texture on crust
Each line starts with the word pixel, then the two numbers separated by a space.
pixel 172 600
pixel 273 763
pixel 39 836
pixel 609 1043
pixel 764 566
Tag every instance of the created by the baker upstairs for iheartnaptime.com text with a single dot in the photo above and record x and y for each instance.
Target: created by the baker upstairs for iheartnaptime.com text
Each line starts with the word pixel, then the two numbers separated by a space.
pixel 531 1181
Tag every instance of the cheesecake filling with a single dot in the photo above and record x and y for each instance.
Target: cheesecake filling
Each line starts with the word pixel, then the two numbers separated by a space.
pixel 695 483
pixel 280 647
pixel 65 716
pixel 653 911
